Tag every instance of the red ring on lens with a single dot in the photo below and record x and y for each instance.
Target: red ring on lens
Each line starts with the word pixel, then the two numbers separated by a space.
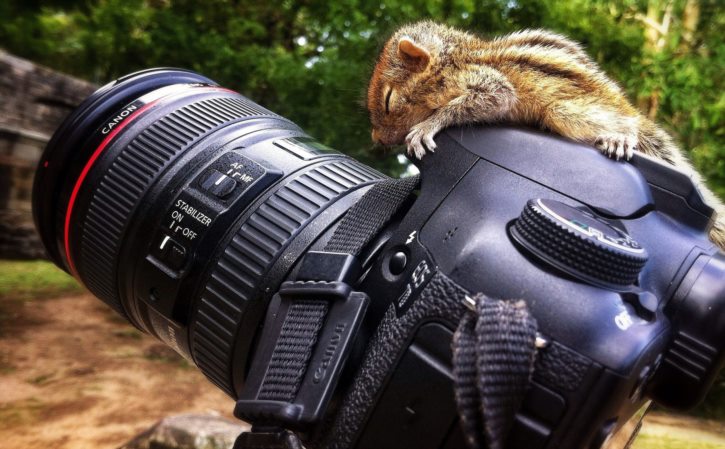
pixel 92 160
pixel 82 177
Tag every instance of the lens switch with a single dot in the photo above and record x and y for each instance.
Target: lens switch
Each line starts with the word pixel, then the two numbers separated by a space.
pixel 217 183
pixel 172 253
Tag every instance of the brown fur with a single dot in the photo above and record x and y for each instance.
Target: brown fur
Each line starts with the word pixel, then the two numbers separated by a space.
pixel 430 76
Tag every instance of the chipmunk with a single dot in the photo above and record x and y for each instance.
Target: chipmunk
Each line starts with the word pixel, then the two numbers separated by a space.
pixel 430 76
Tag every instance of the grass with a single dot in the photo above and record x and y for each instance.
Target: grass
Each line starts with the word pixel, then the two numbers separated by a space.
pixel 645 441
pixel 25 280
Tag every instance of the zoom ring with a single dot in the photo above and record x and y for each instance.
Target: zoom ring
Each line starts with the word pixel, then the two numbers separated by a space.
pixel 236 279
pixel 566 248
pixel 133 171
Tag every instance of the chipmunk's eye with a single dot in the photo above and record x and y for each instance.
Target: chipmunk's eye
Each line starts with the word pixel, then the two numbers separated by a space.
pixel 387 101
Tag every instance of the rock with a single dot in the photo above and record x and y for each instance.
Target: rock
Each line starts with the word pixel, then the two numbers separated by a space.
pixel 35 100
pixel 18 239
pixel 189 431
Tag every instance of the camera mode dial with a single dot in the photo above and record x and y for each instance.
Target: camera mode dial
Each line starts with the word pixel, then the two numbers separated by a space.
pixel 579 243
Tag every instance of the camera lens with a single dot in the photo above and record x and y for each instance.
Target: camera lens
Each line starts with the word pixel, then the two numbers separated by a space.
pixel 183 205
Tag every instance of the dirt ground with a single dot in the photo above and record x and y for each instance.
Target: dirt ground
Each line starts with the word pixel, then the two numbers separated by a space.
pixel 658 428
pixel 74 375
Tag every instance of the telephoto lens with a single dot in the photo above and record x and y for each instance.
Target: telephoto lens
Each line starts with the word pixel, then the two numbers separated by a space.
pixel 182 205
pixel 523 292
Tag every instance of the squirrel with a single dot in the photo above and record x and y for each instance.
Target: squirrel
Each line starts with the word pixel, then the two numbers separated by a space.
pixel 430 76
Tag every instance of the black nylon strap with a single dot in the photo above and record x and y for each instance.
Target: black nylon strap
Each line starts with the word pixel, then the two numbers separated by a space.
pixel 370 214
pixel 493 360
pixel 465 375
pixel 305 318
pixel 293 350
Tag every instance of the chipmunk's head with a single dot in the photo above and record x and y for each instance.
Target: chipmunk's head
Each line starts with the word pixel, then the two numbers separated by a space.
pixel 404 87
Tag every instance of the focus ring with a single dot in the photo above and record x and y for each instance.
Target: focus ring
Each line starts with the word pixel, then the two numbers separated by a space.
pixel 234 281
pixel 132 172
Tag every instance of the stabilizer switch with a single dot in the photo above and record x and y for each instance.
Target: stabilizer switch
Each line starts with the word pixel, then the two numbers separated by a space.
pixel 171 252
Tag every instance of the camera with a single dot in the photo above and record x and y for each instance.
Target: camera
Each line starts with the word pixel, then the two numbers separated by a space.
pixel 323 296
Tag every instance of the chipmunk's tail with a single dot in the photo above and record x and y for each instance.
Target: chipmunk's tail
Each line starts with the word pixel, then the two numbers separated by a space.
pixel 655 142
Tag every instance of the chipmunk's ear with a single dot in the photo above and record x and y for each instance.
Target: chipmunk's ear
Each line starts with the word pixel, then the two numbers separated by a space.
pixel 413 55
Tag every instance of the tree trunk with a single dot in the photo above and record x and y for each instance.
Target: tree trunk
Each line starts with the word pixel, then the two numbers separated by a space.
pixel 657 26
pixel 690 20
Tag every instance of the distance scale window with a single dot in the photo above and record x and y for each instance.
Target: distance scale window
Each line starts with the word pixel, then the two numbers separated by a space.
pixel 305 147
pixel 225 180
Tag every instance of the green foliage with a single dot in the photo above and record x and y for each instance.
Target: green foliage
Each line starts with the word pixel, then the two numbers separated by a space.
pixel 310 60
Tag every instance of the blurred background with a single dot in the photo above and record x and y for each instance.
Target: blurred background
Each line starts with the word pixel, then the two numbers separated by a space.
pixel 71 373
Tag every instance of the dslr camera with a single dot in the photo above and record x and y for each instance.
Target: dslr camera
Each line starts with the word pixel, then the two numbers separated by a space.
pixel 324 297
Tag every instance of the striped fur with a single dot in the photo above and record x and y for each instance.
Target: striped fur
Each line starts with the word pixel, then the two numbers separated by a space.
pixel 430 76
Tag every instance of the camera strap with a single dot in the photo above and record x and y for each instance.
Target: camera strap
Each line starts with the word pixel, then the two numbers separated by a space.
pixel 311 324
pixel 494 350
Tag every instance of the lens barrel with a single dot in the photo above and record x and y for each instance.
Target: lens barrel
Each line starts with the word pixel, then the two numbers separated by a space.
pixel 183 205
pixel 73 144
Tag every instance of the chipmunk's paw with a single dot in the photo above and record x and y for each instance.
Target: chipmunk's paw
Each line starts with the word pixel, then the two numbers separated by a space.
pixel 420 139
pixel 617 146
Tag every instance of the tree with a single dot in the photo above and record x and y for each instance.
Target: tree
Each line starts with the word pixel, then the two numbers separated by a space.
pixel 310 60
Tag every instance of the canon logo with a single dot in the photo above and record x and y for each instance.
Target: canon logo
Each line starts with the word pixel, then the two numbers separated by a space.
pixel 329 353
pixel 118 119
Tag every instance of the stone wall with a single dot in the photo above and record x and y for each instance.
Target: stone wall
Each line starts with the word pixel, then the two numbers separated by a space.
pixel 34 100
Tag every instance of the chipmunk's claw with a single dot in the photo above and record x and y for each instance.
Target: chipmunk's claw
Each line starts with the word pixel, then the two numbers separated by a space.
pixel 420 140
pixel 618 146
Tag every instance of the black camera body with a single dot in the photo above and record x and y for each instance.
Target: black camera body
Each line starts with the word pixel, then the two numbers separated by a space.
pixel 610 347
pixel 186 208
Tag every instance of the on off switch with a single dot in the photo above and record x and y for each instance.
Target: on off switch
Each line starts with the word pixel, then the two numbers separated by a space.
pixel 170 252
pixel 217 183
